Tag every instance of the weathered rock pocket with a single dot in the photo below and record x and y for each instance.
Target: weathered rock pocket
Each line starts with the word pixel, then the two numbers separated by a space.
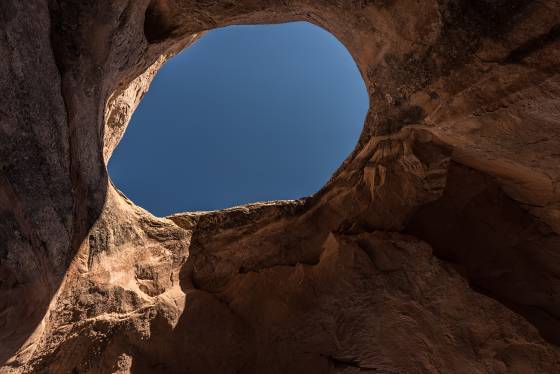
pixel 434 248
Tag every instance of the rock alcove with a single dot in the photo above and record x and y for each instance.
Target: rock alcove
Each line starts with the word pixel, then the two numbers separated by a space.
pixel 433 249
pixel 246 114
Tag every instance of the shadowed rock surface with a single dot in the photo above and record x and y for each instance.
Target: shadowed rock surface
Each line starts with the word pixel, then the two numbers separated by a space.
pixel 435 248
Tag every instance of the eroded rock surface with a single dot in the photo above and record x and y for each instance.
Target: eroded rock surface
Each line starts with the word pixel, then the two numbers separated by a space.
pixel 435 248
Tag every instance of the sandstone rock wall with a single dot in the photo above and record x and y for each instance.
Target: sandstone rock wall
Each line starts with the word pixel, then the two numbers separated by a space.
pixel 433 249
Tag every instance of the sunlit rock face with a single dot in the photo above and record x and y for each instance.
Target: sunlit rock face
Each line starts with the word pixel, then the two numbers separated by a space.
pixel 433 248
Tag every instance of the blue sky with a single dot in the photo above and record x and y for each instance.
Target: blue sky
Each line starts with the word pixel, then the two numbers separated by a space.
pixel 248 113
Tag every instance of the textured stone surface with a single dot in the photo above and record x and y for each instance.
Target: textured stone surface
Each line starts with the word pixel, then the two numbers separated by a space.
pixel 434 248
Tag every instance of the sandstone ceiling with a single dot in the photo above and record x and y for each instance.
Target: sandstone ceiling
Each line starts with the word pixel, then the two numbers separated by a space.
pixel 435 248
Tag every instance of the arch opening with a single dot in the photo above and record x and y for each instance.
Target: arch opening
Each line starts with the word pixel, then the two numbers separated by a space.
pixel 246 114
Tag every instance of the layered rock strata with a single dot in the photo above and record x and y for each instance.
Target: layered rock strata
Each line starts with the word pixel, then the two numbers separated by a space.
pixel 435 248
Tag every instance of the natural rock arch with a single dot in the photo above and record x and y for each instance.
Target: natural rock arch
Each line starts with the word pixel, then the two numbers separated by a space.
pixel 464 119
pixel 249 93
